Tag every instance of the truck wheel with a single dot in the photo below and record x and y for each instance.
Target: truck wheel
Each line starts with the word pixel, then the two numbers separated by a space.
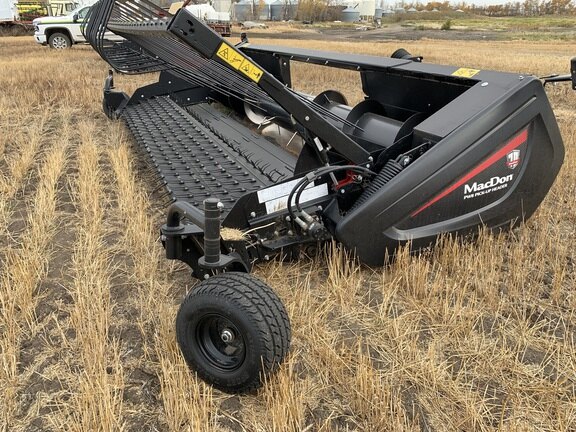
pixel 59 41
pixel 231 329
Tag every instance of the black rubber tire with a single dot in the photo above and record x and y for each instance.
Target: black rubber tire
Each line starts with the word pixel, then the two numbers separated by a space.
pixel 252 312
pixel 59 41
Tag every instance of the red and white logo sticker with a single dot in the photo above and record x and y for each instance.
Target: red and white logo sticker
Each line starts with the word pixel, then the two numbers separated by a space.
pixel 513 159
pixel 512 154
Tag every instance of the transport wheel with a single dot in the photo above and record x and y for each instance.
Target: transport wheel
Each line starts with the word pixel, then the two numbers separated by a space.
pixel 59 41
pixel 231 329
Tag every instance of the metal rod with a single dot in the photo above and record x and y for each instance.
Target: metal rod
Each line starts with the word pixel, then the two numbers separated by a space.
pixel 212 230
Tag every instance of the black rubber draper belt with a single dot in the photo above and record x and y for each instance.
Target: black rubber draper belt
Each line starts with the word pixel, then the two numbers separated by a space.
pixel 194 162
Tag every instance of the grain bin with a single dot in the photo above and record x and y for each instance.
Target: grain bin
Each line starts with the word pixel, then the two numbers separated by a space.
pixel 350 15
pixel 277 11
pixel 243 11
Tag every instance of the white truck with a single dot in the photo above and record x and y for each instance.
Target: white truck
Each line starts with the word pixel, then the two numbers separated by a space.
pixel 8 11
pixel 60 32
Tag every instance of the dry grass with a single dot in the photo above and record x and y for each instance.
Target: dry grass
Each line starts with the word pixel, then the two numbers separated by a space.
pixel 470 336
pixel 96 398
pixel 25 262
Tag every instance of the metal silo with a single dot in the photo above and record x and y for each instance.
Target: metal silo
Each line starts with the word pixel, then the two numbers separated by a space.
pixel 277 11
pixel 243 11
pixel 350 15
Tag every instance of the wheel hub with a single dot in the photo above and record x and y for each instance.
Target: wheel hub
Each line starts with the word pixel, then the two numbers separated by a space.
pixel 59 43
pixel 227 336
pixel 220 342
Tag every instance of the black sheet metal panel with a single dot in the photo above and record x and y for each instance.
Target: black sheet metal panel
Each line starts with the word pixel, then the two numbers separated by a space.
pixel 469 178
pixel 195 162
pixel 323 58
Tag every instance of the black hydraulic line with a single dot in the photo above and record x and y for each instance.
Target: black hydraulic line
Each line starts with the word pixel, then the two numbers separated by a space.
pixel 310 177
pixel 329 170
pixel 387 173
pixel 291 194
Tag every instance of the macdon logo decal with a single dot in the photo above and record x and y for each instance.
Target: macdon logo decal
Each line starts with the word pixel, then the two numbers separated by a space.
pixel 494 184
pixel 513 159
pixel 507 151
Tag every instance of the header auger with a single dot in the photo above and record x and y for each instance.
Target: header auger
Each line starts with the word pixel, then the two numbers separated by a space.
pixel 431 149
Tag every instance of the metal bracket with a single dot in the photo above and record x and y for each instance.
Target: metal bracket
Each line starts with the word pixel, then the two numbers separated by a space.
pixel 113 102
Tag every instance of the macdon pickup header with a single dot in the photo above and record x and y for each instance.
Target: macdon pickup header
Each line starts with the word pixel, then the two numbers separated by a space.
pixel 430 150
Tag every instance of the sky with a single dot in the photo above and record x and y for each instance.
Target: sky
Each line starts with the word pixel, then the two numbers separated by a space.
pixel 476 2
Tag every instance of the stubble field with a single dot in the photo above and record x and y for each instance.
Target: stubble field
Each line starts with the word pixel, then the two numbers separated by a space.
pixel 469 336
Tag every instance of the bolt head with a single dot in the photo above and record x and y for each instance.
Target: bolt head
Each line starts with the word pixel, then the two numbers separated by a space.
pixel 227 335
pixel 252 214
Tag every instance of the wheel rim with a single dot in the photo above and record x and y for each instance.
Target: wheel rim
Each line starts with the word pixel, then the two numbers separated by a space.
pixel 59 42
pixel 220 342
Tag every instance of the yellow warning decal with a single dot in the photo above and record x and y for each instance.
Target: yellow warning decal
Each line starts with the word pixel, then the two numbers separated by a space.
pixel 239 62
pixel 226 53
pixel 465 73
pixel 251 70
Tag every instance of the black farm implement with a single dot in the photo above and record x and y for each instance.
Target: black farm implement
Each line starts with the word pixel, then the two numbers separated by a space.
pixel 431 149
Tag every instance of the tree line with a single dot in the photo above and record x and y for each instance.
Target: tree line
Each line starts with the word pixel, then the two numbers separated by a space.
pixel 524 8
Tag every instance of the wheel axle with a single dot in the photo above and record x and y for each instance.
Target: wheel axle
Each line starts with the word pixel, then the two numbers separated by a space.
pixel 227 336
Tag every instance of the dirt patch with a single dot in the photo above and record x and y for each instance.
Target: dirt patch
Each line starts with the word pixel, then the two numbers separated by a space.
pixel 385 34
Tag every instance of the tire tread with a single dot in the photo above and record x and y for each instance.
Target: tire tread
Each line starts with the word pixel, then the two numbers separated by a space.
pixel 261 303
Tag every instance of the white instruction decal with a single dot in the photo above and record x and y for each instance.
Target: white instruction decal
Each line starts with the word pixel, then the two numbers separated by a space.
pixel 309 194
pixel 278 191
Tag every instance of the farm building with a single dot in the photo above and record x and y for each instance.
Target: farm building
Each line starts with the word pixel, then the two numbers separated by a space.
pixel 265 10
